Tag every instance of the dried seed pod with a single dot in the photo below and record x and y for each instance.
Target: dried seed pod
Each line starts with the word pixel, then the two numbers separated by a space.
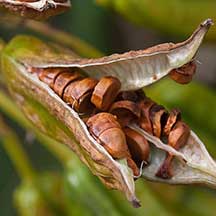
pixel 63 80
pixel 184 74
pixel 105 92
pixel 78 94
pixel 35 9
pixel 107 131
pixel 49 75
pixel 177 138
pixel 158 117
pixel 174 116
pixel 138 146
pixel 144 121
pixel 126 111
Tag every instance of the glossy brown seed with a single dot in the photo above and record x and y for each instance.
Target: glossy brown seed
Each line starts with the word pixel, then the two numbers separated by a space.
pixel 63 80
pixel 105 92
pixel 177 138
pixel 174 116
pixel 48 75
pixel 78 94
pixel 138 146
pixel 144 120
pixel 101 122
pixel 126 111
pixel 184 74
pixel 107 132
pixel 158 117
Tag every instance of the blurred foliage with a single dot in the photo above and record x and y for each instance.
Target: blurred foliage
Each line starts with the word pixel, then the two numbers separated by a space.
pixel 73 190
pixel 166 16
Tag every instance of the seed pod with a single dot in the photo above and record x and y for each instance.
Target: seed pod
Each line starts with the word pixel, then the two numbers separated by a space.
pixel 78 94
pixel 177 138
pixel 174 116
pixel 35 9
pixel 158 117
pixel 184 74
pixel 135 70
pixel 107 131
pixel 126 111
pixel 144 121
pixel 138 146
pixel 105 92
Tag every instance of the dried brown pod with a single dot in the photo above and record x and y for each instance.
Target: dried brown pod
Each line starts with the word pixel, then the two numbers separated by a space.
pixel 135 70
pixel 144 120
pixel 138 146
pixel 63 80
pixel 173 117
pixel 105 92
pixel 107 131
pixel 158 117
pixel 177 138
pixel 78 94
pixel 126 111
pixel 35 9
pixel 184 74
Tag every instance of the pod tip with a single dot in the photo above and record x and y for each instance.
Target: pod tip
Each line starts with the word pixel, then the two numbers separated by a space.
pixel 208 22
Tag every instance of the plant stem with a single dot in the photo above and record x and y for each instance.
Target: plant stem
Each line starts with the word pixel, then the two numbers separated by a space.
pixel 16 153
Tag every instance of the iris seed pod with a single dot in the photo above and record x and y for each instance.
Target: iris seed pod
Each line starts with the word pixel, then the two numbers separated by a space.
pixel 135 69
pixel 35 9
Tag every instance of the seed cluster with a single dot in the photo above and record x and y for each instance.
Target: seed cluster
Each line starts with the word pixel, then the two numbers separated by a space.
pixel 108 113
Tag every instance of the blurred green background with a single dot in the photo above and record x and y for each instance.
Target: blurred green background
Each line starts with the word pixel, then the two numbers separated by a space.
pixel 61 185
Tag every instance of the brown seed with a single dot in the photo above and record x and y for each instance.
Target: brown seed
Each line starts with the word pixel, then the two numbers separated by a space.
pixel 126 111
pixel 63 80
pixel 48 75
pixel 78 94
pixel 138 146
pixel 105 92
pixel 177 138
pixel 174 116
pixel 184 74
pixel 101 122
pixel 144 121
pixel 158 117
pixel 114 141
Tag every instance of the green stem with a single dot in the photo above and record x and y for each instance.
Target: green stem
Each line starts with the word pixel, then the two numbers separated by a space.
pixel 16 153
pixel 59 150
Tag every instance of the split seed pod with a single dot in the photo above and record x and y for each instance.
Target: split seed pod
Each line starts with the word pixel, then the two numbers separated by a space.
pixel 135 69
pixel 35 9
